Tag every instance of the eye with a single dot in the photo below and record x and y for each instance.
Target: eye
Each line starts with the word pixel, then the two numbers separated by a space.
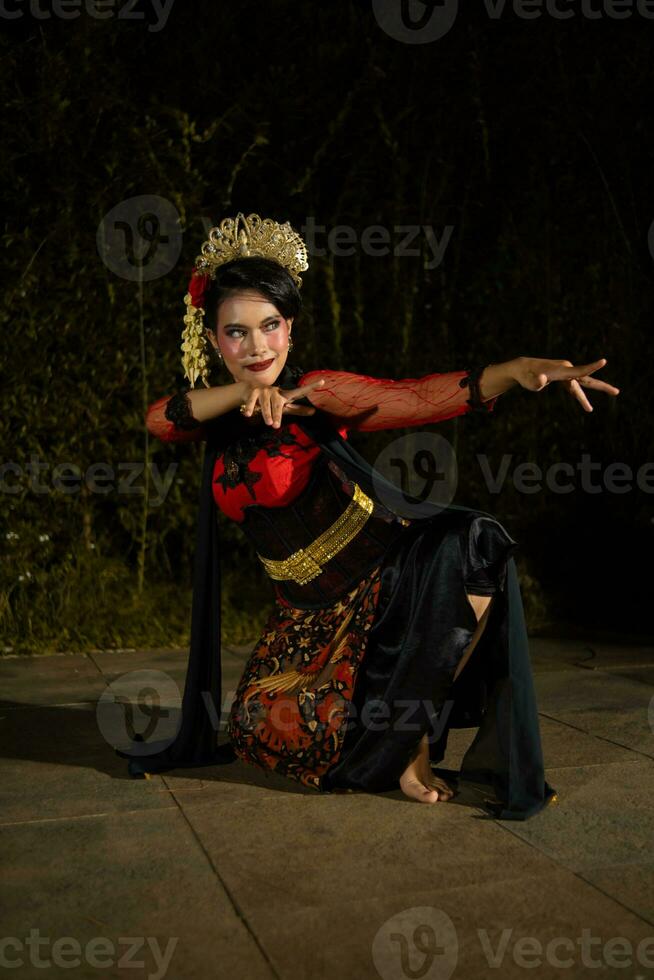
pixel 235 330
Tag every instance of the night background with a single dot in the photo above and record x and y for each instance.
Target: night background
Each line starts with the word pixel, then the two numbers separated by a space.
pixel 527 141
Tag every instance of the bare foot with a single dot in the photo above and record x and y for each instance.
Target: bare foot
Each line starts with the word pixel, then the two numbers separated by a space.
pixel 418 781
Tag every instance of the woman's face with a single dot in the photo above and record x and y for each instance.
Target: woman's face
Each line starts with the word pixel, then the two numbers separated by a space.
pixel 250 329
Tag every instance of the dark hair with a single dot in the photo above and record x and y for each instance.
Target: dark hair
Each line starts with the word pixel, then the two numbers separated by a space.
pixel 263 275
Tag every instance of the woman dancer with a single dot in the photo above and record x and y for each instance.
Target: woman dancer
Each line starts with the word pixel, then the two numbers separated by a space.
pixel 386 631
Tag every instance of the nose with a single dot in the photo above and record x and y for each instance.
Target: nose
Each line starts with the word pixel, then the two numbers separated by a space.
pixel 256 344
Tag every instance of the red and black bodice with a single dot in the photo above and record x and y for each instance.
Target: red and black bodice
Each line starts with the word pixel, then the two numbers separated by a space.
pixel 283 492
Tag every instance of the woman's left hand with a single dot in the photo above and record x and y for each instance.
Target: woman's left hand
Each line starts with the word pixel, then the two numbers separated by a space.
pixel 535 373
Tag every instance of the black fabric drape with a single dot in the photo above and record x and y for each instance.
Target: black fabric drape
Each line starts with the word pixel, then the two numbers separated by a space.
pixel 497 688
pixel 197 722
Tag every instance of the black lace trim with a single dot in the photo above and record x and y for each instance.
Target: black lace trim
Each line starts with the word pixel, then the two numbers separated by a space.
pixel 290 375
pixel 178 410
pixel 472 380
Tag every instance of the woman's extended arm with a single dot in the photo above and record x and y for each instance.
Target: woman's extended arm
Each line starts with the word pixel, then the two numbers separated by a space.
pixel 381 403
pixel 179 417
pixel 208 403
pixel 495 379
pixel 369 404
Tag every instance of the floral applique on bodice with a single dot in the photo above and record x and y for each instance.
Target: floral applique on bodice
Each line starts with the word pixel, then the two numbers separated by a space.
pixel 268 467
pixel 237 457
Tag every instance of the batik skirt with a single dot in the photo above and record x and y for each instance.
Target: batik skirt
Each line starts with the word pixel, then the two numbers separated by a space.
pixel 339 697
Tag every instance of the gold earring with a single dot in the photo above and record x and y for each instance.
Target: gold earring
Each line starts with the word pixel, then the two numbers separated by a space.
pixel 290 344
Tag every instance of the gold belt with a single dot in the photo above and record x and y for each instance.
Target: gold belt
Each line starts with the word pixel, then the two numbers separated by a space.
pixel 306 563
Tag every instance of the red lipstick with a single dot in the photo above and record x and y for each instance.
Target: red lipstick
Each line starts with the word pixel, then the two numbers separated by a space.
pixel 261 366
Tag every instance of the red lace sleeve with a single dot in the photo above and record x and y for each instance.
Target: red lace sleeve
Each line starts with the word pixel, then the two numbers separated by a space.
pixel 367 404
pixel 178 426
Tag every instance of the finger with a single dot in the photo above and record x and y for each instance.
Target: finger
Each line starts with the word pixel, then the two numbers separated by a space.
pixel 277 409
pixel 578 393
pixel 598 385
pixel 264 401
pixel 302 390
pixel 291 409
pixel 579 370
pixel 251 401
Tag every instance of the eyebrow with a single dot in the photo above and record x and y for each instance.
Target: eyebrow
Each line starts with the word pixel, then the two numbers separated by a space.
pixel 244 327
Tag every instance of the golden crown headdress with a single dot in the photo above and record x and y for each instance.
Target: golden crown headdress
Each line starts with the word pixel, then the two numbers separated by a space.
pixel 234 238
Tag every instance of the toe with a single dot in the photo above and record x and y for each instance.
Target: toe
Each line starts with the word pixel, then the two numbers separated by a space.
pixel 444 792
pixel 420 791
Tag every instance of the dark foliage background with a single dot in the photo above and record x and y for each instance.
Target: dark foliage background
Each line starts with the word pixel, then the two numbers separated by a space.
pixel 532 139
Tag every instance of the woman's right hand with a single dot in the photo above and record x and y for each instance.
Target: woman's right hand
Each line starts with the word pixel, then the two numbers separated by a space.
pixel 274 401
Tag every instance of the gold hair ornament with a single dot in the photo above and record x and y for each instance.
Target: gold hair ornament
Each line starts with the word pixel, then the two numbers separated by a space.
pixel 234 238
